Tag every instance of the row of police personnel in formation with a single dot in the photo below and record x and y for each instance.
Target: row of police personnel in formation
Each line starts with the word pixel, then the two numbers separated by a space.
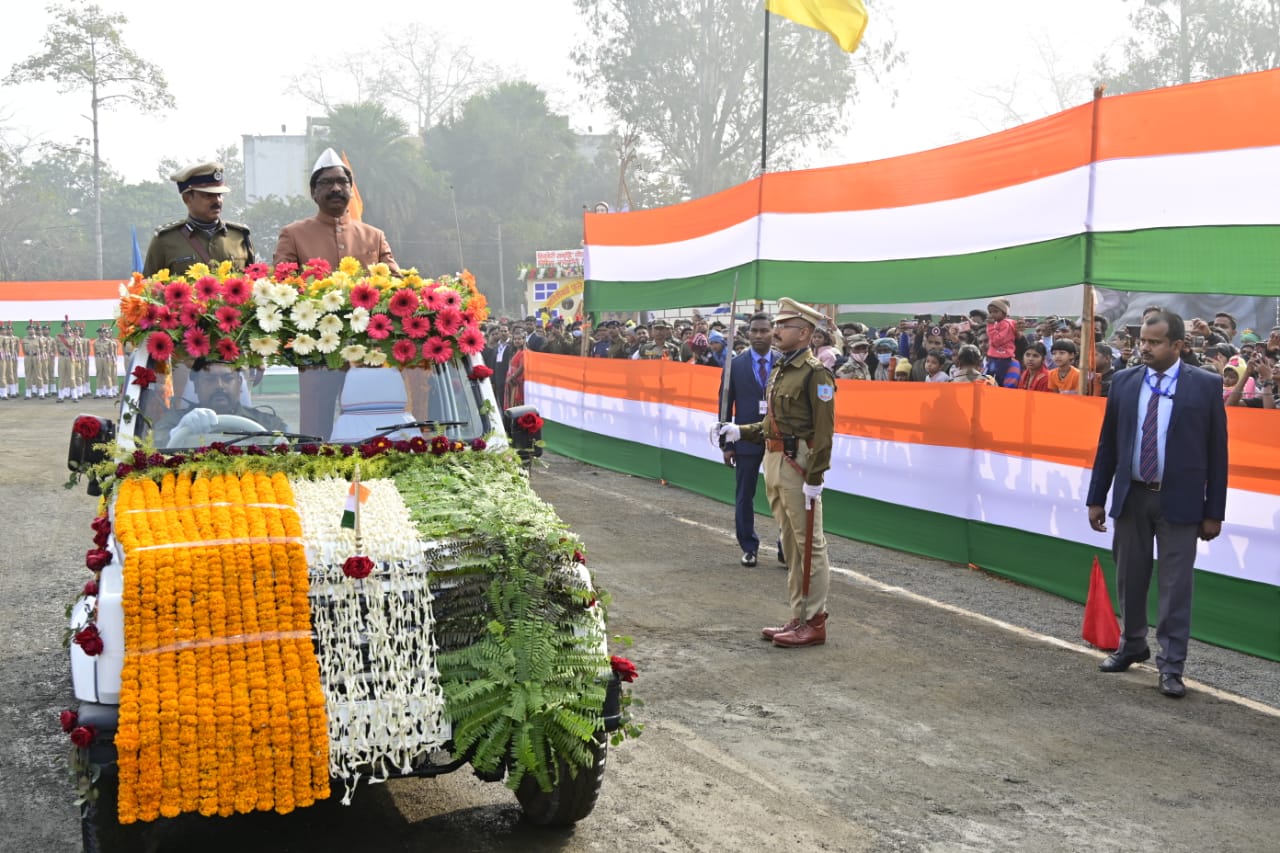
pixel 67 365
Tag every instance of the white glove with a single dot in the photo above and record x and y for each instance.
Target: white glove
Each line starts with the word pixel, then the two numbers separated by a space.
pixel 811 494
pixel 730 432
pixel 198 422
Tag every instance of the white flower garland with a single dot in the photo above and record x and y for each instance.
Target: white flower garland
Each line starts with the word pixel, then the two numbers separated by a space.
pixel 377 646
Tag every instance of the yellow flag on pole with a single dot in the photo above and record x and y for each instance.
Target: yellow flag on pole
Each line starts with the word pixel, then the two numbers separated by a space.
pixel 845 20
pixel 356 208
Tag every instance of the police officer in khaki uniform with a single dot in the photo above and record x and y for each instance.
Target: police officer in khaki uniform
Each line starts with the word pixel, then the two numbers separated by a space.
pixel 48 349
pixel 8 361
pixel 202 237
pixel 30 360
pixel 104 366
pixel 661 347
pixel 797 431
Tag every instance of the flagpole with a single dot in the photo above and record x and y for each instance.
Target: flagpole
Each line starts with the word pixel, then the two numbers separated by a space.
pixel 764 111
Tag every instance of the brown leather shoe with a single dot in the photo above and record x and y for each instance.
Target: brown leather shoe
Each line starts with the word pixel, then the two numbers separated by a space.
pixel 811 633
pixel 770 633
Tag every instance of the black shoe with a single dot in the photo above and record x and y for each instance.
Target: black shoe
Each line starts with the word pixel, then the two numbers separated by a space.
pixel 749 559
pixel 1119 663
pixel 1171 685
pixel 782 558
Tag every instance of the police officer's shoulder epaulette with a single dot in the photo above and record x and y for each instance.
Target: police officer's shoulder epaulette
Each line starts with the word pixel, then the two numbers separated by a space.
pixel 236 225
pixel 170 226
pixel 813 361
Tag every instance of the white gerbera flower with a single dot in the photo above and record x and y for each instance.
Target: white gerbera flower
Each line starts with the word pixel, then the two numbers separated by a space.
pixel 333 300
pixel 262 289
pixel 284 295
pixel 304 345
pixel 330 324
pixel 354 353
pixel 305 315
pixel 359 320
pixel 264 346
pixel 375 358
pixel 328 343
pixel 269 319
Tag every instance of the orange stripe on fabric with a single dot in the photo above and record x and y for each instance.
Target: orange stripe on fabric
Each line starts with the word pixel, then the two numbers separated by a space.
pixel 1061 429
pixel 684 221
pixel 51 291
pixel 1216 115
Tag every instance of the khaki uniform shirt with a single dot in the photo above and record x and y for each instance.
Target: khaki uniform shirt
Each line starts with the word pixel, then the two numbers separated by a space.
pixel 177 246
pixel 802 402
pixel 651 351
pixel 331 239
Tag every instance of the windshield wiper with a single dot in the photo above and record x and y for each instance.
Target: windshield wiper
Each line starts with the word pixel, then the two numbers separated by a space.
pixel 292 436
pixel 417 425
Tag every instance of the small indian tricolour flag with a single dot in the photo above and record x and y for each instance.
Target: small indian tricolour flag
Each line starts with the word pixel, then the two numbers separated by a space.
pixel 356 495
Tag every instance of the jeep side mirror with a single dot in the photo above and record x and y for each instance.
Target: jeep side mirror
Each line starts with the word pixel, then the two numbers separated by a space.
pixel 526 443
pixel 83 452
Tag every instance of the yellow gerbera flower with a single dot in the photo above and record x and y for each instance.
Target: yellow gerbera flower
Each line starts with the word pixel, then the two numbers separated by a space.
pixel 350 266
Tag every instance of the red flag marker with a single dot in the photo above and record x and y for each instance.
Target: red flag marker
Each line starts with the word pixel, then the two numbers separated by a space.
pixel 1101 629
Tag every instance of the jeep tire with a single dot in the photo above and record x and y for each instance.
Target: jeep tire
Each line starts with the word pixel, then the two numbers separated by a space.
pixel 573 798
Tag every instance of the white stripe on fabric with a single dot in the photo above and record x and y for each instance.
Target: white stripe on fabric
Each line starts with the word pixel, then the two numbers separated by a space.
pixel 710 253
pixel 1031 495
pixel 23 310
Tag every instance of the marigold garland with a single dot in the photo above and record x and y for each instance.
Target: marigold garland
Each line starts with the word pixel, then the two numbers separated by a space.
pixel 221 708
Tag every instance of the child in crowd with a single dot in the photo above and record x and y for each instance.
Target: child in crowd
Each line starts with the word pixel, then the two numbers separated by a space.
pixel 1035 376
pixel 1002 332
pixel 1065 377
pixel 968 367
pixel 1231 373
pixel 1104 368
pixel 933 372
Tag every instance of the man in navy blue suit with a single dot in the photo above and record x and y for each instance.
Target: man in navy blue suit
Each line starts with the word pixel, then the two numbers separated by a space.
pixel 1164 443
pixel 748 378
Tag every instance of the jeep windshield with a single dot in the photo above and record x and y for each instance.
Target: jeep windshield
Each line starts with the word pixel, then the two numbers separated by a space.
pixel 346 406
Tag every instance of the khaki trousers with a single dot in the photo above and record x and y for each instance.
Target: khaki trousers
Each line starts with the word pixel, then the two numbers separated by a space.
pixel 783 486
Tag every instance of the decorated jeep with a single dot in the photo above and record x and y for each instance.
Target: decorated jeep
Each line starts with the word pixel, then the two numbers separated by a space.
pixel 317 561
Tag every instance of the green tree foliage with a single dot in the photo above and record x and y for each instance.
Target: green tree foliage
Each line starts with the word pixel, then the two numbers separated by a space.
pixel 688 75
pixel 83 49
pixel 1182 41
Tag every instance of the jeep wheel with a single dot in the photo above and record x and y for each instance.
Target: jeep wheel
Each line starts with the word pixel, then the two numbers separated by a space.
pixel 100 828
pixel 572 799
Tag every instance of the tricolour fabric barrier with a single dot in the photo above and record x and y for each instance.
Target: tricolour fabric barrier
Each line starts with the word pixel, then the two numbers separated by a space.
pixel 964 473
pixel 1161 191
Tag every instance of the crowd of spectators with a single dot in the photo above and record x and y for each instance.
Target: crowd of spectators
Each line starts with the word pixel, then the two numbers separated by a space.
pixel 991 346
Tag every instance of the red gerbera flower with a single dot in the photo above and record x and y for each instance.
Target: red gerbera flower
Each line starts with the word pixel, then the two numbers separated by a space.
pixel 380 327
pixel 403 302
pixel 228 318
pixel 236 291
pixel 159 346
pixel 228 350
pixel 430 299
pixel 404 351
pixel 448 322
pixel 208 288
pixel 188 315
pixel 196 343
pixel 450 298
pixel 177 293
pixel 365 296
pixel 168 320
pixel 416 326
pixel 471 341
pixel 284 269
pixel 256 271
pixel 437 349
pixel 317 267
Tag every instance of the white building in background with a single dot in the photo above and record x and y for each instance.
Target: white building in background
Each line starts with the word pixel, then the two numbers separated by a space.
pixel 275 165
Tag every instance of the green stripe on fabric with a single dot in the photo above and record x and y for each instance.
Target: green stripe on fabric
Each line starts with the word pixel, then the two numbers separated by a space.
pixel 1228 612
pixel 1236 259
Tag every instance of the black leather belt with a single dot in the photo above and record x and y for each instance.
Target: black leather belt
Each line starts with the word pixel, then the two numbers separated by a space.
pixel 1150 487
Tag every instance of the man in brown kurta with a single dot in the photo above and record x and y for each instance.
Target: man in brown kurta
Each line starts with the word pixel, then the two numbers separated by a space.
pixel 332 234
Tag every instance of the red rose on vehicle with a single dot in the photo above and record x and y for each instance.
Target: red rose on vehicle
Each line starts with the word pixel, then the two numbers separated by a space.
pixel 143 377
pixel 623 668
pixel 478 444
pixel 101 524
pixel 89 640
pixel 91 587
pixel 82 736
pixel 529 422
pixel 68 719
pixel 480 371
pixel 97 559
pixel 87 427
pixel 357 567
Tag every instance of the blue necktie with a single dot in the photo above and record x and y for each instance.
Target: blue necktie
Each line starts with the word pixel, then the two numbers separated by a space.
pixel 1149 463
pixel 761 373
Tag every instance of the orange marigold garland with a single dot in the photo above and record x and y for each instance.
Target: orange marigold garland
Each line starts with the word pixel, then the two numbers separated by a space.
pixel 221 706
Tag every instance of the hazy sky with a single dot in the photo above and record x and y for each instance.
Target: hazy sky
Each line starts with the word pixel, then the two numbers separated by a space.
pixel 228 67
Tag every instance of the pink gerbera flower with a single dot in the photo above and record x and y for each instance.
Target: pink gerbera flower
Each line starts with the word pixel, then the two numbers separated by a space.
pixel 236 291
pixel 177 293
pixel 152 317
pixel 317 268
pixel 228 318
pixel 415 326
pixel 380 327
pixel 403 302
pixel 430 299
pixel 196 342
pixel 256 271
pixel 188 315
pixel 450 298
pixel 365 296
pixel 284 269
pixel 448 321
pixel 159 346
pixel 208 288
pixel 471 341
pixel 167 319
pixel 404 351
pixel 228 349
pixel 437 349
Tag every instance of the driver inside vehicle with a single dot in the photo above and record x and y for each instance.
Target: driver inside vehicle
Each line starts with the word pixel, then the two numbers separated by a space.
pixel 218 409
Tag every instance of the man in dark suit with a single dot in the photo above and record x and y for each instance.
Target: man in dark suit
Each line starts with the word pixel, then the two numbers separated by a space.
pixel 1164 443
pixel 748 378
pixel 497 357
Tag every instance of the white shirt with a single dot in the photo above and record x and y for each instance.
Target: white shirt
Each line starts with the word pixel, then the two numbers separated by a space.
pixel 1168 385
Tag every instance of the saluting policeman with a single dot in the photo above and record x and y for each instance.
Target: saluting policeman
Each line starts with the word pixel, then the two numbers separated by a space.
pixel 797 432
pixel 202 237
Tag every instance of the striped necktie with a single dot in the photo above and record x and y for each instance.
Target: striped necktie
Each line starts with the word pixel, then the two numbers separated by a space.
pixel 1149 463
pixel 761 373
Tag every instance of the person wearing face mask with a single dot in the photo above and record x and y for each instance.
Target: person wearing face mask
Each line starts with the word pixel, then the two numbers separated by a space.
pixel 332 234
pixel 882 368
pixel 856 366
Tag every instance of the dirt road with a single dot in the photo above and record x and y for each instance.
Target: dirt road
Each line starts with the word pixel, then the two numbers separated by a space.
pixel 919 726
